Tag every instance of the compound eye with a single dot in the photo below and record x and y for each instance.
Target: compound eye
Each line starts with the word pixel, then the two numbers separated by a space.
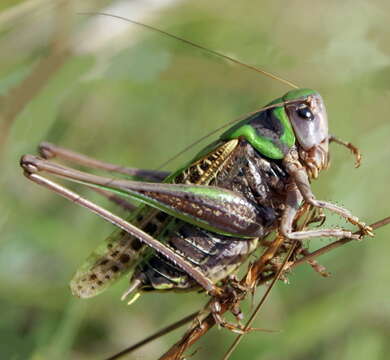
pixel 309 121
pixel 305 113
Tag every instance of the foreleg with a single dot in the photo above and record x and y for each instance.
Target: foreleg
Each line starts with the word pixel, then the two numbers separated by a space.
pixel 293 202
pixel 300 178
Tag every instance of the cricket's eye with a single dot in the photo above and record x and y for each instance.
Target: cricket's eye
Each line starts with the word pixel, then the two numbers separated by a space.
pixel 305 113
pixel 309 121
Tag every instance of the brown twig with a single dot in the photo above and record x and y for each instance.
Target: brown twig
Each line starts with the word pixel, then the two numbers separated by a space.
pixel 336 244
pixel 154 336
pixel 262 301
pixel 199 328
pixel 251 278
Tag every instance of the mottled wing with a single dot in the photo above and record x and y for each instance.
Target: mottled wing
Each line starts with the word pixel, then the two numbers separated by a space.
pixel 117 255
pixel 121 251
pixel 112 259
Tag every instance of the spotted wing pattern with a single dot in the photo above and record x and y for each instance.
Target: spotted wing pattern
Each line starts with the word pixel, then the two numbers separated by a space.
pixel 121 251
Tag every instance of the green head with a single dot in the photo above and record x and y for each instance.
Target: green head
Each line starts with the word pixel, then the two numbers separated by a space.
pixel 297 118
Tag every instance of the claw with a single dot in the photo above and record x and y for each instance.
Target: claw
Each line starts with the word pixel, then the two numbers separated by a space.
pixel 28 163
pixel 217 291
pixel 366 230
pixel 215 308
pixel 45 150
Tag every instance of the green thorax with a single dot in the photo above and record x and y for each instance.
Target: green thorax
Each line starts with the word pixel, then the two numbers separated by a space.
pixel 269 131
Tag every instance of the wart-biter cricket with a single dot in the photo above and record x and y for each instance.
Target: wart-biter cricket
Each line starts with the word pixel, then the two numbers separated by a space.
pixel 198 224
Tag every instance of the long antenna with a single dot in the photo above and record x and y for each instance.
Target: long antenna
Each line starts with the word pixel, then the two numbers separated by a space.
pixel 212 132
pixel 201 47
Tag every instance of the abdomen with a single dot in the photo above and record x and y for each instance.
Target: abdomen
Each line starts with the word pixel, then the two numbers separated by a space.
pixel 215 255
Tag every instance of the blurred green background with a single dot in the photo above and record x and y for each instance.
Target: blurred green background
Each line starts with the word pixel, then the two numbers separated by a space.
pixel 122 94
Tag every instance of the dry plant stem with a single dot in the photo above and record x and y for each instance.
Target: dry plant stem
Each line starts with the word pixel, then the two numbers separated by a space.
pixel 261 302
pixel 336 244
pixel 250 279
pixel 325 249
pixel 315 265
pixel 190 337
pixel 197 331
pixel 154 336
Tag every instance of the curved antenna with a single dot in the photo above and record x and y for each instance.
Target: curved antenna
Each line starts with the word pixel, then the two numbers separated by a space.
pixel 220 55
pixel 188 42
pixel 212 132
